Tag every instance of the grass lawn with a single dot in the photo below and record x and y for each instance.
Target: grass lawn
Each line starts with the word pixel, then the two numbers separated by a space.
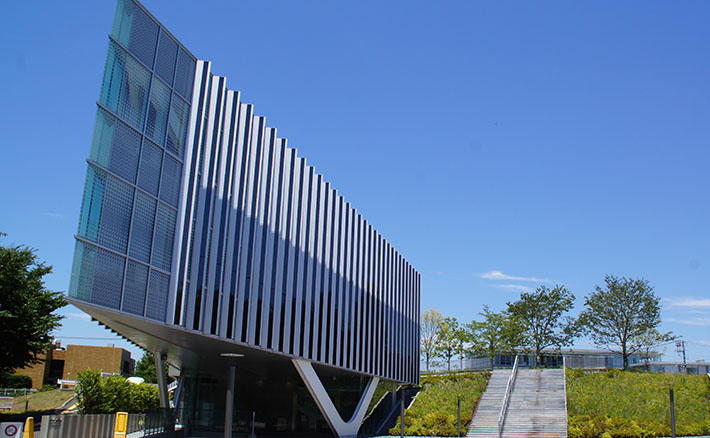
pixel 616 404
pixel 41 401
pixel 433 412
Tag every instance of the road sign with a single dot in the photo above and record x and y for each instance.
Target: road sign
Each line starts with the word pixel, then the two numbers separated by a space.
pixel 10 430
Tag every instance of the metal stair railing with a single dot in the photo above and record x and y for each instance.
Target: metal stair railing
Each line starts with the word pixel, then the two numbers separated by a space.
pixel 564 376
pixel 506 399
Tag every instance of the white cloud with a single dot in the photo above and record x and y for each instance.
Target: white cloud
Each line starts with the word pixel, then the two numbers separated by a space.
pixel 687 302
pixel 698 322
pixel 79 316
pixel 515 287
pixel 53 215
pixel 498 275
pixel 704 343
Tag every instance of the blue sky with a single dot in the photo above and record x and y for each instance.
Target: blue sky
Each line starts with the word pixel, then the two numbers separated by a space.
pixel 497 145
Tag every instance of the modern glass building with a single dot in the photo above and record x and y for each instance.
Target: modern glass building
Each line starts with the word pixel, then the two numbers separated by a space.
pixel 203 235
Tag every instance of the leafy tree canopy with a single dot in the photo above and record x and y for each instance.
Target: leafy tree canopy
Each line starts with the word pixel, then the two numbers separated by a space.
pixel 620 315
pixel 145 368
pixel 26 308
pixel 431 319
pixel 542 314
pixel 496 333
pixel 450 339
pixel 99 395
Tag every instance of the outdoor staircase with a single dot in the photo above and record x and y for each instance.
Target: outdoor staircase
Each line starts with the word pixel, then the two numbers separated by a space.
pixel 485 421
pixel 536 408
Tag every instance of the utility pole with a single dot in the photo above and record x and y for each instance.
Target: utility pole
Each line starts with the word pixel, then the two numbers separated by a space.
pixel 680 349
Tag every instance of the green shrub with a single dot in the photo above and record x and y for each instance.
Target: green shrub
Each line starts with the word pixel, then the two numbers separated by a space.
pixel 15 381
pixel 624 404
pixel 433 412
pixel 99 395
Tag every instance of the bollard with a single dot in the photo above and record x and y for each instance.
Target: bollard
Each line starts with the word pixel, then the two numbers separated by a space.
pixel 29 430
pixel 119 430
pixel 458 418
pixel 27 405
pixel 401 411
pixel 670 393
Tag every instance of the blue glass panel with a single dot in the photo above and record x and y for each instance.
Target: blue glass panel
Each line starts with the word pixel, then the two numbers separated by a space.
pixel 113 75
pixel 91 204
pixel 151 162
pixel 185 75
pixel 163 239
pixel 142 227
pixel 157 295
pixel 123 21
pixel 116 215
pixel 135 289
pixel 144 37
pixel 170 180
pixel 167 54
pixel 177 126
pixel 158 112
pixel 108 279
pixel 125 86
pixel 82 273
pixel 116 146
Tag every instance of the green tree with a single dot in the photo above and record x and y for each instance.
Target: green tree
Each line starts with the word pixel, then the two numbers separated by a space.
pixel 145 368
pixel 541 313
pixel 651 342
pixel 26 308
pixel 621 314
pixel 448 343
pixel 497 333
pixel 429 333
pixel 462 336
pixel 107 395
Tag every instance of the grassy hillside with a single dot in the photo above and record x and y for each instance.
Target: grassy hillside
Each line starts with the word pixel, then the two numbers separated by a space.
pixel 433 412
pixel 41 401
pixel 623 404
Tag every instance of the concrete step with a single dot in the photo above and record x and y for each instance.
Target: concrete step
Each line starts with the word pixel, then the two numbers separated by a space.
pixel 536 407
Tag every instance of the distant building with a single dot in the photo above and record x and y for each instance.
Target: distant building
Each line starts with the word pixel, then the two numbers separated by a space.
pixel 699 367
pixel 60 363
pixel 573 358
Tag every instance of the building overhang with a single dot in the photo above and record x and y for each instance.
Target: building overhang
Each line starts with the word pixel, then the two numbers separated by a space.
pixel 193 349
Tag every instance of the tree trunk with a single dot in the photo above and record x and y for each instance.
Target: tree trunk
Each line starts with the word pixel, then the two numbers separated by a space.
pixel 626 357
pixel 427 362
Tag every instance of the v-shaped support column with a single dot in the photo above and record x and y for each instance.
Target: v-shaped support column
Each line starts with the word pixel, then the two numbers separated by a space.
pixel 325 404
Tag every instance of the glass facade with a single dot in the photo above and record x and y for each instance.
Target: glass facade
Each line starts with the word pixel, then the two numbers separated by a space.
pixel 129 209
pixel 196 215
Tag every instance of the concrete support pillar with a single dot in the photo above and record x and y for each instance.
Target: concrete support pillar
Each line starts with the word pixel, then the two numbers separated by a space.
pixel 162 379
pixel 341 428
pixel 394 395
pixel 229 401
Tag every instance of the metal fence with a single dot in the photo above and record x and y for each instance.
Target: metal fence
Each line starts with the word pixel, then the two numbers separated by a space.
pixel 102 425
pixel 12 392
pixel 65 426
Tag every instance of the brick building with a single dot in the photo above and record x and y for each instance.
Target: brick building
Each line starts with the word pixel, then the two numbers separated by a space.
pixel 67 363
